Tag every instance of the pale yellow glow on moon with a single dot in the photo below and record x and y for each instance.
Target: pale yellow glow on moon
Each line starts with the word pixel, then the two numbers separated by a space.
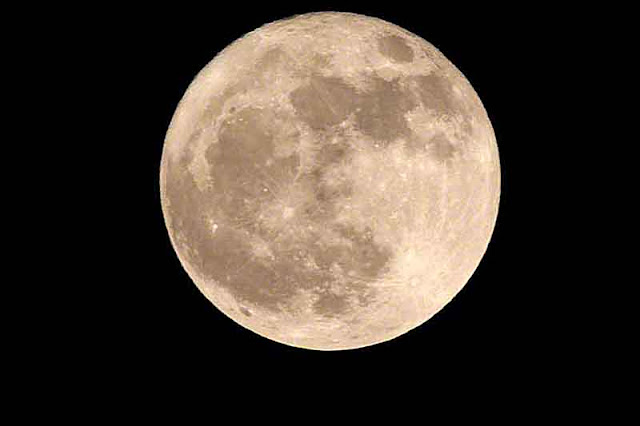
pixel 330 181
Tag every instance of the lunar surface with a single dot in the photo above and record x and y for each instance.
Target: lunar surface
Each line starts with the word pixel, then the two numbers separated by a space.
pixel 330 181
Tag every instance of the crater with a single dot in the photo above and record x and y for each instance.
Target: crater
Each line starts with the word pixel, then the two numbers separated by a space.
pixel 395 48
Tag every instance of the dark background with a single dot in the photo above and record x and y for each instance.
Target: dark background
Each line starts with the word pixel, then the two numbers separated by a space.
pixel 505 326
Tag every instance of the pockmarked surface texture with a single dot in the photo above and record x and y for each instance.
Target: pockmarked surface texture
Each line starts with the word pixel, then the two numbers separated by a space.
pixel 330 181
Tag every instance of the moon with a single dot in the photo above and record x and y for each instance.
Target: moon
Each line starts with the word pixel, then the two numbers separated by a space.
pixel 330 181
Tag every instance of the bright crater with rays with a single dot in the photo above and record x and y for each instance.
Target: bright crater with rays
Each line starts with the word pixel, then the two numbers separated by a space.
pixel 330 181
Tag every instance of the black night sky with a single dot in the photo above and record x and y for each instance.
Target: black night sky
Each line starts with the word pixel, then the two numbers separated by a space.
pixel 503 325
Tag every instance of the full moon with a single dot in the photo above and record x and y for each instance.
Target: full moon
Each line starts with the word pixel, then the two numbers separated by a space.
pixel 330 181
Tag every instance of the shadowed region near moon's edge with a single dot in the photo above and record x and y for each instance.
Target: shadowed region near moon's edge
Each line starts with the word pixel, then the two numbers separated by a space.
pixel 268 200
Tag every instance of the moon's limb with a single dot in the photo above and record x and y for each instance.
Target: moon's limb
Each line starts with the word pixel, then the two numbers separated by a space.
pixel 330 195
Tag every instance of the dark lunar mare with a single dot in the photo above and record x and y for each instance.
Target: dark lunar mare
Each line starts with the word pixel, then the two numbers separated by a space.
pixel 244 161
pixel 239 171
